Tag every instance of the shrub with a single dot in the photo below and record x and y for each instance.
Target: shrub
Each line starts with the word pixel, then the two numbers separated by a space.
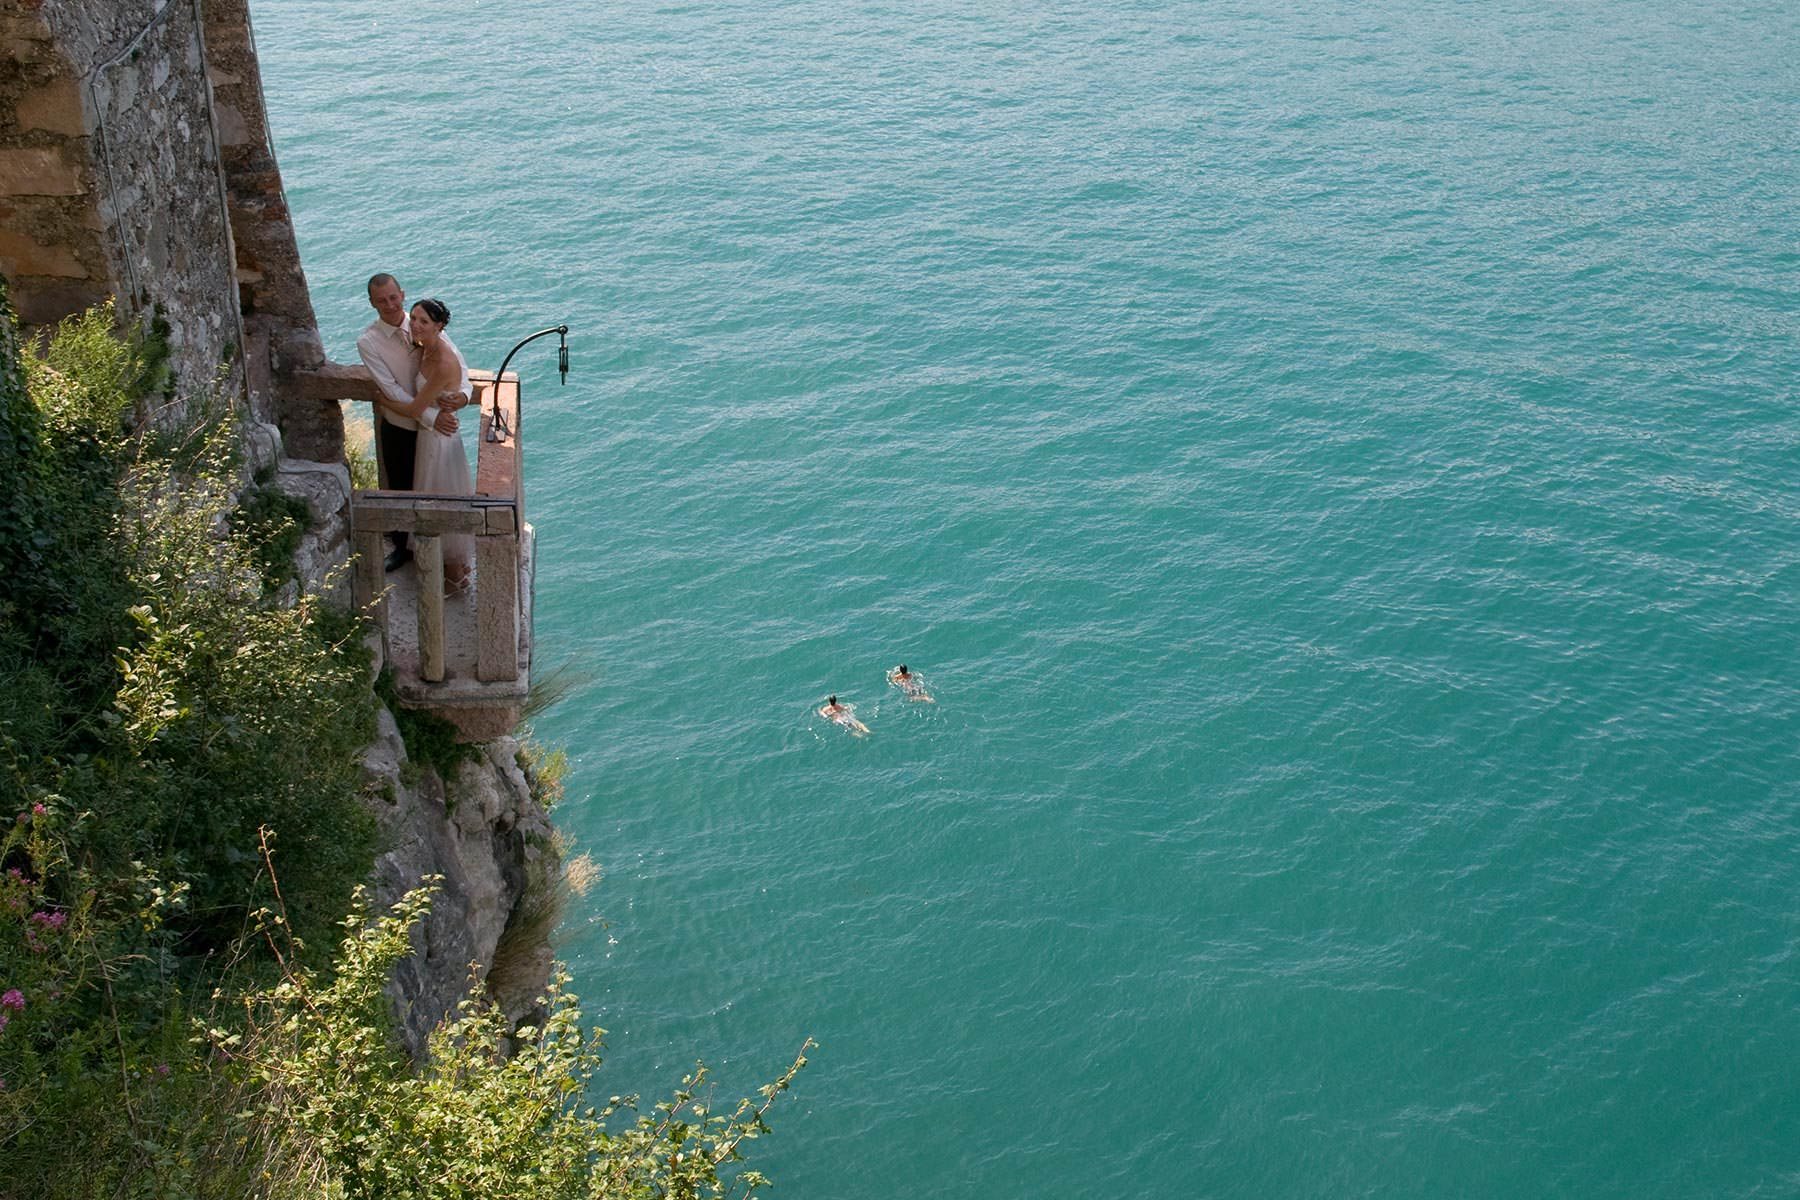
pixel 493 1113
pixel 272 524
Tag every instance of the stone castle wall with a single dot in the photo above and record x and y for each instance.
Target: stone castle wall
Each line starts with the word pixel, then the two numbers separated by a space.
pixel 135 162
pixel 109 168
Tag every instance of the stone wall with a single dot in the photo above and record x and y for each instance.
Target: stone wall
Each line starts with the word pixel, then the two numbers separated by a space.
pixel 110 177
pixel 135 161
pixel 272 292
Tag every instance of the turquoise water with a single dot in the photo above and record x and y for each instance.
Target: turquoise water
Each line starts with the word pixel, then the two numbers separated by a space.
pixel 1334 464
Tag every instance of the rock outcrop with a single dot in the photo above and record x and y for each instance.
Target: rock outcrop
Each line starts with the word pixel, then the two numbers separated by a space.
pixel 489 839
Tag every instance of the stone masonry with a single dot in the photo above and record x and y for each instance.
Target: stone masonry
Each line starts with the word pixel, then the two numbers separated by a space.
pixel 109 174
pixel 272 293
pixel 135 162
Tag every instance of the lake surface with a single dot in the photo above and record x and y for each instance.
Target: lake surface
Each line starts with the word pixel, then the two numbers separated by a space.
pixel 1334 464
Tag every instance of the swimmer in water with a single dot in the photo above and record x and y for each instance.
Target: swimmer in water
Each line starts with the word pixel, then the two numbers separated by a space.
pixel 831 710
pixel 911 684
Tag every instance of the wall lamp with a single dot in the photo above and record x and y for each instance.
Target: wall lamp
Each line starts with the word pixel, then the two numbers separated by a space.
pixel 498 430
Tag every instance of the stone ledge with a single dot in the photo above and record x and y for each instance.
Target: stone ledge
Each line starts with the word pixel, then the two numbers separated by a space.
pixel 335 381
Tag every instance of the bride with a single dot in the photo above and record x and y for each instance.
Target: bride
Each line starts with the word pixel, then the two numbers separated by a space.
pixel 441 468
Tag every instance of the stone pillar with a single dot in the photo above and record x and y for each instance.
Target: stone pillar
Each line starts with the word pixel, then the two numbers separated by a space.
pixel 270 281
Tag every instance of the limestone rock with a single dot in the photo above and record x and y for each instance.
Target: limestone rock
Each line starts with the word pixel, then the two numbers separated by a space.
pixel 489 839
pixel 324 549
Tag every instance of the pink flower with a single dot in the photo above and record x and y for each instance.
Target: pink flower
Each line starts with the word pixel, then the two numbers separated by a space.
pixel 50 922
pixel 38 810
pixel 13 999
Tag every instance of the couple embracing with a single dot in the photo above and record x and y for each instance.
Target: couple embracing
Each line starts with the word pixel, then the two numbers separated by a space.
pixel 423 381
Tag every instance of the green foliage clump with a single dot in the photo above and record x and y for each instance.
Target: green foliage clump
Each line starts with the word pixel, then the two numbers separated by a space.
pixel 64 597
pixel 494 1113
pixel 359 456
pixel 545 768
pixel 430 740
pixel 95 1043
pixel 237 713
pixel 273 523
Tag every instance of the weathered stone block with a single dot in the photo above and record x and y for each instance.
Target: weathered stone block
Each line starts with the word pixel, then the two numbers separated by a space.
pixel 324 548
pixel 56 107
pixel 38 171
pixel 482 724
pixel 233 129
pixel 47 303
pixel 20 255
pixel 335 381
pixel 25 28
pixel 25 39
pixel 325 487
pixel 262 444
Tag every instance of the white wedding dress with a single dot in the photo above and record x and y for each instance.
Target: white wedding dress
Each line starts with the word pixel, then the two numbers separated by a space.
pixel 441 468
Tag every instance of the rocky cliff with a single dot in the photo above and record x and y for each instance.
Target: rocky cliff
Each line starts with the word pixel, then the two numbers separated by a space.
pixel 482 830
pixel 135 161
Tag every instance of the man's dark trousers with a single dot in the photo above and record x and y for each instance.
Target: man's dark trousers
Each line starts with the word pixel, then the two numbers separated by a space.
pixel 398 449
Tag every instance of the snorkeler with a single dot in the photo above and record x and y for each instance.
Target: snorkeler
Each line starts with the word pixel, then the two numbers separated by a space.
pixel 842 714
pixel 911 684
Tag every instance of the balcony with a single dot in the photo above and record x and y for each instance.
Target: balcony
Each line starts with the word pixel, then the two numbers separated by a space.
pixel 466 658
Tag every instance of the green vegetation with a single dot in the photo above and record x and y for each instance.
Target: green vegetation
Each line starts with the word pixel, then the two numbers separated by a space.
pixel 494 1113
pixel 430 740
pixel 182 829
pixel 273 522
pixel 359 456
pixel 149 686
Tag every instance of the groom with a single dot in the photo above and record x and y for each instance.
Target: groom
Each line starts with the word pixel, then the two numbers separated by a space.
pixel 386 349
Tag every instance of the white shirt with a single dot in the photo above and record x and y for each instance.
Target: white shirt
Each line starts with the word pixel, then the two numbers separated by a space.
pixel 387 351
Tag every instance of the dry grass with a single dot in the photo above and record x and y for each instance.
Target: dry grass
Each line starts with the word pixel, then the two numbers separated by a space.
pixel 359 446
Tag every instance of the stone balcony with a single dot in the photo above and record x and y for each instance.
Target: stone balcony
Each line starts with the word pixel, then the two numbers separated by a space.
pixel 466 658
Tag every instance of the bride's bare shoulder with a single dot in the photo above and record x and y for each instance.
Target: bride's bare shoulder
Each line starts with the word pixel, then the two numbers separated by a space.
pixel 437 358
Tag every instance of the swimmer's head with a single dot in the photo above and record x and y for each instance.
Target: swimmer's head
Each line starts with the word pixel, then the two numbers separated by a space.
pixel 901 669
pixel 831 701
